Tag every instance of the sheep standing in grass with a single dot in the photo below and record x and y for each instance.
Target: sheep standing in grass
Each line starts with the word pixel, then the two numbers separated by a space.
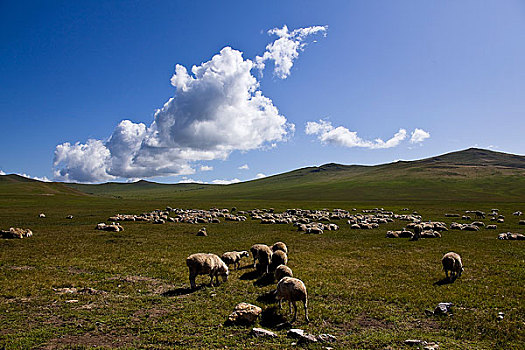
pixel 292 290
pixel 452 262
pixel 263 254
pixel 279 246
pixel 278 258
pixel 206 264
pixel 282 271
pixel 234 258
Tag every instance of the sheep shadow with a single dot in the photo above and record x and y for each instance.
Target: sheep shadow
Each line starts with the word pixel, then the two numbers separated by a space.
pixel 250 275
pixel 267 298
pixel 181 291
pixel 446 280
pixel 264 280
pixel 271 318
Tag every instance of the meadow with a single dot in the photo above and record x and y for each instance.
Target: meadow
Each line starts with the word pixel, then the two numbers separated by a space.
pixel 369 291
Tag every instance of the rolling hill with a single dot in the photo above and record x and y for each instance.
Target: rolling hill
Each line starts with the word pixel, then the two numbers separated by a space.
pixel 469 175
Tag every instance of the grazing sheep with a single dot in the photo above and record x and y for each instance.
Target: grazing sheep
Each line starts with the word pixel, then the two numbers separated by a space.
pixel 492 227
pixel 206 264
pixel 282 271
pixel 69 217
pixel 263 254
pixel 202 232
pixel 418 229
pixel 452 262
pixel 279 246
pixel 278 258
pixel 41 215
pixel 292 290
pixel 234 258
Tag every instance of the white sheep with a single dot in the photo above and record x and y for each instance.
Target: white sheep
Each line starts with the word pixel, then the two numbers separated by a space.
pixel 282 271
pixel 234 258
pixel 278 258
pixel 292 290
pixel 263 254
pixel 452 262
pixel 206 264
pixel 279 246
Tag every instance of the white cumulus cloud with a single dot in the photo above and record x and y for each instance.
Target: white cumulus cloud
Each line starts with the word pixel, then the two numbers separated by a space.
pixel 186 180
pixel 260 176
pixel 225 182
pixel 419 135
pixel 285 50
pixel 2 173
pixel 244 167
pixel 206 168
pixel 341 136
pixel 217 109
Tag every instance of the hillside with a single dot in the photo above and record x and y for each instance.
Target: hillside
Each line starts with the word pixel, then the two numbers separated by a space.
pixel 469 175
pixel 16 185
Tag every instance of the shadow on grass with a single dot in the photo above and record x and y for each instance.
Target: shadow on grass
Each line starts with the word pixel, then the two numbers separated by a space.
pixel 250 275
pixel 245 267
pixel 444 281
pixel 267 298
pixel 271 318
pixel 264 281
pixel 181 291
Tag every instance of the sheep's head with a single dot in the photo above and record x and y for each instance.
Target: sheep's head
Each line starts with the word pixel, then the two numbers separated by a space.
pixel 245 253
pixel 225 275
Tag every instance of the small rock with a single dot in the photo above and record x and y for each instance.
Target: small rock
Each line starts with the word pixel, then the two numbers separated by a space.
pixel 244 313
pixel 302 336
pixel 260 332
pixel 327 338
pixel 307 338
pixel 295 333
pixel 443 309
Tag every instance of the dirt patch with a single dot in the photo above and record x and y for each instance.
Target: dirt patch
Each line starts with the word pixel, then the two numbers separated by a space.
pixel 77 271
pixel 366 321
pixel 90 340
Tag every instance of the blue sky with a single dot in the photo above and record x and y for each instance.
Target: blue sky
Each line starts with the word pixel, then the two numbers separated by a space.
pixel 73 71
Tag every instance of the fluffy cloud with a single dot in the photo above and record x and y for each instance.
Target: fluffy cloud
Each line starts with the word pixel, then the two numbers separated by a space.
pixel 419 135
pixel 260 176
pixel 244 167
pixel 341 136
pixel 217 109
pixel 186 180
pixel 225 182
pixel 285 50
pixel 2 173
pixel 206 168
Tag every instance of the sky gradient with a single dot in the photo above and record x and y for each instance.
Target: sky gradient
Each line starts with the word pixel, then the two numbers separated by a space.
pixel 72 71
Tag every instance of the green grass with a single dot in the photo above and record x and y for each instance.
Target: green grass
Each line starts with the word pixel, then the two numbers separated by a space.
pixel 368 291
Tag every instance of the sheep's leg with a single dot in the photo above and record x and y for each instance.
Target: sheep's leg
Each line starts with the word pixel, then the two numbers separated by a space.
pixel 211 280
pixel 294 311
pixel 290 307
pixel 280 304
pixel 192 281
pixel 306 310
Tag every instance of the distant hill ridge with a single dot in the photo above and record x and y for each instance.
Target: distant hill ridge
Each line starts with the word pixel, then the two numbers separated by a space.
pixel 467 174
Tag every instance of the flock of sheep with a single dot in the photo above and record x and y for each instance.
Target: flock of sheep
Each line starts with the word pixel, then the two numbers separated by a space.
pixel 266 260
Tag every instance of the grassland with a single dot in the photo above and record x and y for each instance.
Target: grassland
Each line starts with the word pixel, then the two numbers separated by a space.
pixel 369 291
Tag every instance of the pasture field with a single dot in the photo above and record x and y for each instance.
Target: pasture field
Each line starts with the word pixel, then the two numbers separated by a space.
pixel 369 291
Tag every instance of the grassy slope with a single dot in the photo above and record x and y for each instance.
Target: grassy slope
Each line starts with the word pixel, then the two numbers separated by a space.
pixel 469 175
